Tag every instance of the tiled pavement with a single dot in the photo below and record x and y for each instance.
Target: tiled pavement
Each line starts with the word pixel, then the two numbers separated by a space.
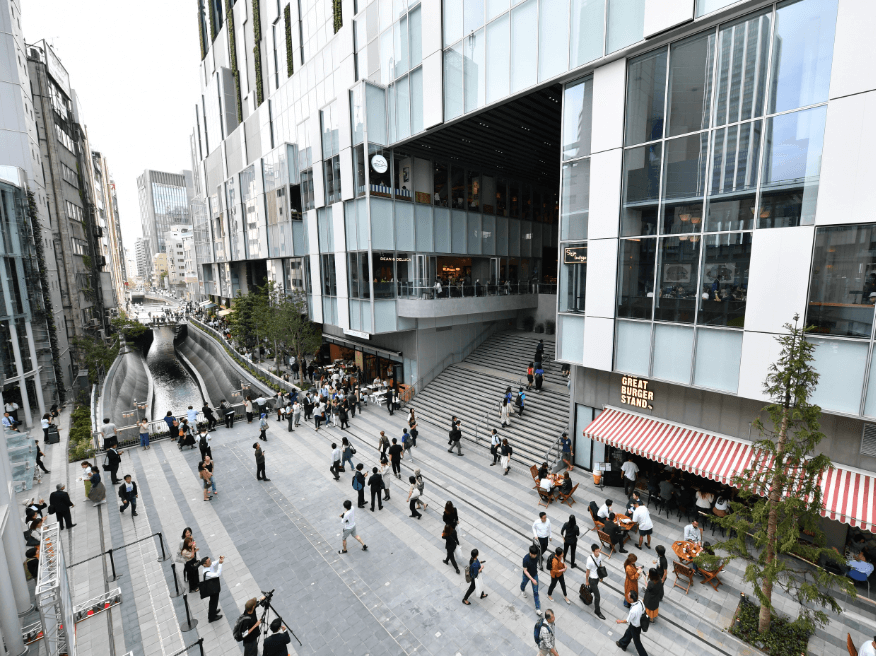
pixel 396 598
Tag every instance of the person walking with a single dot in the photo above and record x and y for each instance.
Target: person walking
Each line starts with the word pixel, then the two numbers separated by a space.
pixel 385 470
pixel 412 426
pixel 144 433
pixel 335 469
pixel 455 437
pixel 413 496
pixel 546 639
pixel 530 376
pixel 39 457
pixel 359 484
pixel 642 517
pixel 97 493
pixel 653 594
pixel 406 444
pixel 570 533
pixel 495 443
pixel 113 461
pixel 260 463
pixel 129 495
pixel 566 445
pixel 348 452
pixel 247 407
pixel 45 422
pixel 506 452
pixel 557 567
pixel 210 587
pixel 228 413
pixel 209 417
pixel 59 501
pixel 592 578
pixel 375 484
pixel 632 572
pixel 634 627
pixel 451 541
pixel 204 439
pixel 541 531
pixel 475 567
pixel 520 402
pixel 505 413
pixel 348 521
pixel 382 443
pixel 263 426
pixel 421 486
pixel 531 563
pixel 451 516
pixel 395 453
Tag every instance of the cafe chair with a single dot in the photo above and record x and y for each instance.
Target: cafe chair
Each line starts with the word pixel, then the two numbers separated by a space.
pixel 596 523
pixel 544 497
pixel 860 577
pixel 712 577
pixel 567 498
pixel 853 651
pixel 683 573
pixel 534 471
pixel 607 546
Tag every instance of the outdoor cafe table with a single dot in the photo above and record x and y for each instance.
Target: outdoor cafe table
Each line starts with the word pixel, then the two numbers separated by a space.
pixel 626 524
pixel 686 551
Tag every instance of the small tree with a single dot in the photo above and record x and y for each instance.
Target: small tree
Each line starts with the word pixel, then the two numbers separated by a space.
pixel 245 322
pixel 781 493
pixel 96 355
pixel 286 323
pixel 130 328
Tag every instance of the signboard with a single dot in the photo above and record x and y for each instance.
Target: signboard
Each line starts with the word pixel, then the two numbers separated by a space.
pixel 379 164
pixel 356 333
pixel 635 392
pixel 575 255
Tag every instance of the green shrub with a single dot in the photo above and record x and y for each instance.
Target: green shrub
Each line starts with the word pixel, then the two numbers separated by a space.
pixel 785 638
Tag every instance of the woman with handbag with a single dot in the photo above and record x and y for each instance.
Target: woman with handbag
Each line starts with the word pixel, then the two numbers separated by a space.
pixel 473 578
pixel 413 497
pixel 347 452
pixel 631 579
pixel 385 473
pixel 451 517
pixel 451 540
pixel 412 424
pixel 189 554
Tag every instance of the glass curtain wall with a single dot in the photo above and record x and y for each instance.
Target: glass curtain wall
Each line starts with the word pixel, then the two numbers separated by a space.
pixel 723 135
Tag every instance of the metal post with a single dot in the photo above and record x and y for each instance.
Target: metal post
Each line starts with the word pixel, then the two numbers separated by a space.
pixel 114 577
pixel 176 593
pixel 201 645
pixel 190 622
pixel 163 554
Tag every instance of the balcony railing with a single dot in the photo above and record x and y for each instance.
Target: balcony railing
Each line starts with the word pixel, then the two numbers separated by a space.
pixel 423 290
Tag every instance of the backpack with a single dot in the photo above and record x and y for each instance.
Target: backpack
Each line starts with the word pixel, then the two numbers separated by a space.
pixel 518 401
pixel 203 442
pixel 357 484
pixel 537 632
pixel 238 628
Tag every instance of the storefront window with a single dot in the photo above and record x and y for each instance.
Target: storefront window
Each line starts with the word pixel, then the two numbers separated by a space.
pixel 576 200
pixel 353 274
pixel 359 169
pixel 514 193
pixel 473 191
pixel 526 207
pixel 440 184
pixel 842 291
pixel 488 194
pixel 403 173
pixel 733 177
pixel 684 183
pixel 677 271
pixel 379 162
pixel 724 286
pixel 384 274
pixel 404 273
pixel 791 168
pixel 636 278
pixel 646 91
pixel 641 177
pixel 573 277
pixel 501 197
pixel 690 83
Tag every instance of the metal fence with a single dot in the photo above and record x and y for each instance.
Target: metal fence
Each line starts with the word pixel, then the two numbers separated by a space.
pixel 428 291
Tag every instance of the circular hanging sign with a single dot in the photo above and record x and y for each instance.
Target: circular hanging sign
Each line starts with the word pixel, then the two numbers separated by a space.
pixel 379 164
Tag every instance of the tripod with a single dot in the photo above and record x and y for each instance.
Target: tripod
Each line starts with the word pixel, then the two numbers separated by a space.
pixel 266 602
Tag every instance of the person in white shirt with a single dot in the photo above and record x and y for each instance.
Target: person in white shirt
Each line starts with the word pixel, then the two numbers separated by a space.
pixel 591 574
pixel 336 462
pixel 604 510
pixel 192 414
pixel 631 471
pixel 634 626
pixel 348 519
pixel 495 443
pixel 868 648
pixel 296 414
pixel 12 409
pixel 211 586
pixel 704 500
pixel 643 518
pixel 693 533
pixel 722 506
pixel 541 531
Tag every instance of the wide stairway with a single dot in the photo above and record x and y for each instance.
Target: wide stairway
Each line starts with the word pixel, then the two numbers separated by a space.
pixel 473 390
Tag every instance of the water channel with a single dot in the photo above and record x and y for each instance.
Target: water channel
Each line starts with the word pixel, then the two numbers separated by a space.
pixel 175 389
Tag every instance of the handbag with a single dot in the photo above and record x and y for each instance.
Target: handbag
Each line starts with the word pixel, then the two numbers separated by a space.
pixel 468 574
pixel 352 450
pixel 585 594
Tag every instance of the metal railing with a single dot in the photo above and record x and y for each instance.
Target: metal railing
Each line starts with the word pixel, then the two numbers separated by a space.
pixel 481 421
pixel 426 290
pixel 159 429
pixel 555 447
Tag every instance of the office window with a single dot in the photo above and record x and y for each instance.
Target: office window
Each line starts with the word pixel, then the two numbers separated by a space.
pixel 626 24
pixel 842 290
pixel 646 92
pixel 440 184
pixel 690 83
pixel 636 278
pixel 588 27
pixel 453 81
pixel 573 277
pixel 415 27
pixel 524 45
pixel 724 283
pixel 452 22
pixel 473 191
pixel 684 183
pixel 499 58
pixel 475 69
pixel 733 177
pixel 384 274
pixel 553 43
pixel 641 190
pixel 677 272
pixel 329 281
pixel 743 50
pixel 577 118
pixel 576 200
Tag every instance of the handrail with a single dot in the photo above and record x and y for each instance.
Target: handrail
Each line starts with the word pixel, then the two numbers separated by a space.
pixel 555 445
pixel 158 428
pixel 477 425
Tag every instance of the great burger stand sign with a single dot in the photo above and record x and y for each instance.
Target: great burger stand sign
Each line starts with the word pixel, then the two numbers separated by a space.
pixel 635 392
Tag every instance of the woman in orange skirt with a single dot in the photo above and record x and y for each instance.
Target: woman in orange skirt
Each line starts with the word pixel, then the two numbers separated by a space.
pixel 631 582
pixel 653 594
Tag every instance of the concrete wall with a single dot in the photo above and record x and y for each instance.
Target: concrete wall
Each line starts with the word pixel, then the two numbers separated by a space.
pixel 126 382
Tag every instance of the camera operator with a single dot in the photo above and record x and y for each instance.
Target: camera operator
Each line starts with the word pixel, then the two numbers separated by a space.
pixel 275 644
pixel 247 628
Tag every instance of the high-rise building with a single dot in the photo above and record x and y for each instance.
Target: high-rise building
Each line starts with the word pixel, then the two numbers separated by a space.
pixel 175 240
pixel 110 238
pixel 692 174
pixel 164 202
pixel 143 257
pixel 160 271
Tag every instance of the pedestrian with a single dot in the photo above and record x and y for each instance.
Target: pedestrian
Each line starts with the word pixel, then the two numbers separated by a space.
pixel 520 402
pixel 495 443
pixel 45 422
pixel 275 644
pixel 653 594
pixel 531 563
pixel 59 502
pixel 566 445
pixel 263 426
pixel 290 419
pixel 592 578
pixel 507 452
pixel 539 377
pixel 318 414
pixel 129 495
pixel 421 486
pixel 375 484
pixel 348 452
pixel 336 462
pixel 348 520
pixel 39 456
pixel 178 555
pixel 530 375
pixel 204 439
pixel 144 433
pixel 642 517
pixel 546 639
pixel 473 577
pixel 661 562
pixel 192 415
pixel 395 453
pixel 112 461
pixel 413 496
pixel 209 417
pixel 382 443
pixel 210 587
pixel 557 567
pixel 296 413
pixel 390 406
pixel 634 627
pixel 247 407
pixel 541 532
pixel 207 474
pixel 261 405
pixel 185 434
pixel 451 516
pixel 109 433
pixel 406 444
pixel 97 491
pixel 631 578
pixel 359 484
pixel 260 462
pixel 451 541
pixel 412 426
pixel 247 627
pixel 570 533
pixel 630 470
pixel 228 413
pixel 172 425
pixel 505 413
pixel 455 437
pixel 279 405
pixel 384 470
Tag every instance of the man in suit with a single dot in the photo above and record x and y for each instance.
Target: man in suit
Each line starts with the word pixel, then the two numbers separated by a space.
pixel 375 483
pixel 128 495
pixel 60 502
pixel 210 586
pixel 615 533
pixel 455 437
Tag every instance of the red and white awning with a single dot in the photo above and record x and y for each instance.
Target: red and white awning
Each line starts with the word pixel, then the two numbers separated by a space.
pixel 849 496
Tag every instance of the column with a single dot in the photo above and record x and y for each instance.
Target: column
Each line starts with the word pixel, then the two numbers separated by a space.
pixel 9 624
pixel 16 352
pixel 37 380
pixel 14 550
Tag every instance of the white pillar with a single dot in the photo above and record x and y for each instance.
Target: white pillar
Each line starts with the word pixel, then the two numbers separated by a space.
pixel 14 548
pixel 9 622
pixel 19 368
pixel 37 379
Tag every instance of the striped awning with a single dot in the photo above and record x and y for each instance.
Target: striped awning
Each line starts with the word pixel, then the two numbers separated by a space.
pixel 849 496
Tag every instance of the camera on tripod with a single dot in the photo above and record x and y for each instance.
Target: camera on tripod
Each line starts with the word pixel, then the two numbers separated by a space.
pixel 265 602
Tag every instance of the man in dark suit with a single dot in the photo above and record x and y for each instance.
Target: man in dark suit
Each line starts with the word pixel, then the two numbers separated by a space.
pixel 615 533
pixel 128 495
pixel 60 503
pixel 211 587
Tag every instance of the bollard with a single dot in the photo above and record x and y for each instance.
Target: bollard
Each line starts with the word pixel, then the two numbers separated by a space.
pixel 176 593
pixel 114 577
pixel 190 623
pixel 163 554
pixel 201 645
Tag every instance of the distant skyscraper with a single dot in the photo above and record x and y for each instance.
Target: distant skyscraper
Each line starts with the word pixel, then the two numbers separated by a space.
pixel 164 202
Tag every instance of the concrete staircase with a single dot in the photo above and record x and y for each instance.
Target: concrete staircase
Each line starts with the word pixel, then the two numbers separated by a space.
pixel 473 390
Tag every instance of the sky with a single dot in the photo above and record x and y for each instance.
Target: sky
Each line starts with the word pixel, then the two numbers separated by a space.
pixel 134 66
